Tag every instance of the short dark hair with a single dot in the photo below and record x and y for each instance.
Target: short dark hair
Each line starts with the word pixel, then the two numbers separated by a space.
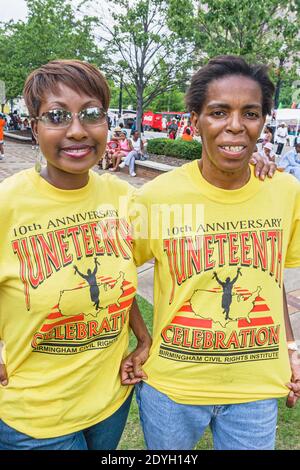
pixel 223 66
pixel 80 76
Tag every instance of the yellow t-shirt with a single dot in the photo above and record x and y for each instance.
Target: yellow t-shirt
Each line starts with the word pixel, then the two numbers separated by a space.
pixel 219 334
pixel 67 281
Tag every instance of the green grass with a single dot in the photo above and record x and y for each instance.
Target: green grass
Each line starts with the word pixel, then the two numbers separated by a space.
pixel 288 429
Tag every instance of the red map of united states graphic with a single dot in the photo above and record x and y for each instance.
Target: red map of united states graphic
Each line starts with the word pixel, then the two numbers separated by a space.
pixel 248 309
pixel 111 303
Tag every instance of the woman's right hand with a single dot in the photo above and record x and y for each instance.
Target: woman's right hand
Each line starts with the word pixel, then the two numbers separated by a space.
pixel 3 373
pixel 131 371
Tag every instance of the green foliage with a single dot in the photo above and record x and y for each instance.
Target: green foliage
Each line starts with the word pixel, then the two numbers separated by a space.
pixel 51 31
pixel 157 146
pixel 115 93
pixel 175 148
pixel 261 31
pixel 254 29
pixel 149 58
pixel 172 101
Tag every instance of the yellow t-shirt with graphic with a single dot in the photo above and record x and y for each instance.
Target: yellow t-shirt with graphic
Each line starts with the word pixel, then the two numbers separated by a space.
pixel 67 281
pixel 219 334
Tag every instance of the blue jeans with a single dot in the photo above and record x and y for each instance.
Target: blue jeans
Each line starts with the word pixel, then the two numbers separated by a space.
pixel 102 436
pixel 131 158
pixel 168 425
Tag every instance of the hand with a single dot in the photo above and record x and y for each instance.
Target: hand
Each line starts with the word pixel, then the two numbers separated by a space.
pixel 263 166
pixel 3 372
pixel 131 367
pixel 294 384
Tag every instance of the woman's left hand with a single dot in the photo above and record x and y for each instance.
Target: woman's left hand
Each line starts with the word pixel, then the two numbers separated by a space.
pixel 263 166
pixel 131 367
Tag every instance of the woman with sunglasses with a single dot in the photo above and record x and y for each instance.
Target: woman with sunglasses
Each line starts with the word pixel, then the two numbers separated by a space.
pixel 67 277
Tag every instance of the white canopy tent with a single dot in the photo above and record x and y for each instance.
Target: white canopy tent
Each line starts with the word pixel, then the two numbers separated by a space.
pixel 290 117
pixel 287 114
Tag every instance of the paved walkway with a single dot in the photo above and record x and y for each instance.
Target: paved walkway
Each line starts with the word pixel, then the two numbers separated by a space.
pixel 21 156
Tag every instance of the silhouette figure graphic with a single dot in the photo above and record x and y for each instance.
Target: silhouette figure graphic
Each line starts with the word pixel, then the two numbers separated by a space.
pixel 90 277
pixel 227 291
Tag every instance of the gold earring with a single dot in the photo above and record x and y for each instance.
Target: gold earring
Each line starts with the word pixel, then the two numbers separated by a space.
pixel 38 160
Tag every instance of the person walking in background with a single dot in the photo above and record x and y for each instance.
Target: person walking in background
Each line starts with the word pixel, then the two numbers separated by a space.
pixel 173 127
pixel 2 125
pixel 272 125
pixel 164 123
pixel 281 137
pixel 172 134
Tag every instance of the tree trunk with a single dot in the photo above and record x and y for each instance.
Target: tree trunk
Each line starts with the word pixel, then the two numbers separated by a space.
pixel 139 109
pixel 278 84
pixel 121 96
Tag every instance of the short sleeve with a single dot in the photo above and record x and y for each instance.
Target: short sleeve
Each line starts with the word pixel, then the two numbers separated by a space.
pixel 140 220
pixel 293 252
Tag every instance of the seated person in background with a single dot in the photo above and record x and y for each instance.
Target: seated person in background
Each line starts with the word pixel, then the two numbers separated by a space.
pixel 123 129
pixel 125 146
pixel 135 154
pixel 187 135
pixel 290 162
pixel 116 133
pixel 267 151
pixel 267 135
pixel 111 148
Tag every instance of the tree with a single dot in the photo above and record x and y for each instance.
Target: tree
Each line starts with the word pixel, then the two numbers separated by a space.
pixel 261 31
pixel 115 95
pixel 143 51
pixel 51 31
pixel 171 101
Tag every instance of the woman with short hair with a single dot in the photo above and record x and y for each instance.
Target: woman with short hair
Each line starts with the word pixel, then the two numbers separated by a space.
pixel 223 349
pixel 67 275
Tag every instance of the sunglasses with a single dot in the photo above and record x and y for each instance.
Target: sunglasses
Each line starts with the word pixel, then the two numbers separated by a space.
pixel 60 118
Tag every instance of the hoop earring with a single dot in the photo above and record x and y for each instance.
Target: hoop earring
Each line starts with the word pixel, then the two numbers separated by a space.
pixel 38 160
